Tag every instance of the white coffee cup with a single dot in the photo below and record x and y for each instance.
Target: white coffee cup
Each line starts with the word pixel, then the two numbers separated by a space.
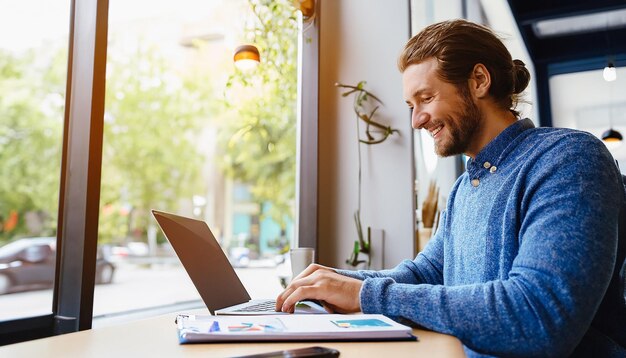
pixel 301 258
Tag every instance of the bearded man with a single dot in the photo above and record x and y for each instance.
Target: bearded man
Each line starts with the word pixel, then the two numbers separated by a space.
pixel 526 260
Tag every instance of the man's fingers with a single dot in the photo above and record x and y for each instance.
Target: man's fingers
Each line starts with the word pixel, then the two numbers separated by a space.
pixel 298 295
pixel 285 294
pixel 304 280
pixel 281 298
pixel 309 277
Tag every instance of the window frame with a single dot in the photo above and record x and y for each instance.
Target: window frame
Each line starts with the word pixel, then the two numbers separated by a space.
pixel 79 195
pixel 79 192
pixel 307 133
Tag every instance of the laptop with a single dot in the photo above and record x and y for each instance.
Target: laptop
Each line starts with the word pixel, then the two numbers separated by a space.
pixel 211 272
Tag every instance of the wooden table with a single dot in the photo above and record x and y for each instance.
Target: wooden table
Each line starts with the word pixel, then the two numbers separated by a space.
pixel 156 337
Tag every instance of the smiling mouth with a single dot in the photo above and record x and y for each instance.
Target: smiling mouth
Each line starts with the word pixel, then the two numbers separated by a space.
pixel 434 132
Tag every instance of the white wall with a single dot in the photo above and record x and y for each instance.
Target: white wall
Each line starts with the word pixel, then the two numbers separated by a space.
pixel 360 40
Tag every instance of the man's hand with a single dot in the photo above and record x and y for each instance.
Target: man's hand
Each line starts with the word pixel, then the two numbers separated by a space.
pixel 338 293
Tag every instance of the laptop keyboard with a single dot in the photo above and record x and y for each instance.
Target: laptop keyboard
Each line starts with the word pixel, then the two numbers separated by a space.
pixel 265 306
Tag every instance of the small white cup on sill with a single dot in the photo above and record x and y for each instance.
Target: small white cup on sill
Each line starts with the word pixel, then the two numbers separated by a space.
pixel 301 258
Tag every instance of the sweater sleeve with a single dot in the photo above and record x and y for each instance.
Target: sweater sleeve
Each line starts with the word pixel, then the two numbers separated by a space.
pixel 427 267
pixel 558 278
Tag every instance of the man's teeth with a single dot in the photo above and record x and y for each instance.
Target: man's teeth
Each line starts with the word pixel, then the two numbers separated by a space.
pixel 435 131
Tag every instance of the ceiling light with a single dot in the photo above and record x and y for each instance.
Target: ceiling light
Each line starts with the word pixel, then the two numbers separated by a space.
pixel 609 73
pixel 605 20
pixel 612 138
pixel 246 57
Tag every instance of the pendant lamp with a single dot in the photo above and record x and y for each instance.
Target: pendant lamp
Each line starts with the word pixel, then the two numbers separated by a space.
pixel 246 57
pixel 612 138
pixel 611 135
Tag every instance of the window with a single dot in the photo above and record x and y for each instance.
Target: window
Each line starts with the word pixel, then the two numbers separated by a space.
pixel 595 112
pixel 182 131
pixel 186 132
pixel 33 70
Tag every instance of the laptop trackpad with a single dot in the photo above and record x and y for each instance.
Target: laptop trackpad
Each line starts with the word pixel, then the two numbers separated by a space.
pixel 309 307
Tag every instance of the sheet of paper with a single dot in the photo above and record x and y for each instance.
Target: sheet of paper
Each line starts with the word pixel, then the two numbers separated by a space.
pixel 208 328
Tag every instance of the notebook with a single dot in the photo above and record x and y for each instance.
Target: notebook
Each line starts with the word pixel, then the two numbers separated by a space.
pixel 211 272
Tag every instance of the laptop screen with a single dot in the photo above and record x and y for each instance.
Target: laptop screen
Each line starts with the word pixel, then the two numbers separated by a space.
pixel 203 259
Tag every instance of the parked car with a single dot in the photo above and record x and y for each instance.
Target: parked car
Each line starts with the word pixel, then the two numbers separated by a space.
pixel 28 264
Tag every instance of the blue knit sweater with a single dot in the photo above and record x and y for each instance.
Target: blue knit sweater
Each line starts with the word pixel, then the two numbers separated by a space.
pixel 524 251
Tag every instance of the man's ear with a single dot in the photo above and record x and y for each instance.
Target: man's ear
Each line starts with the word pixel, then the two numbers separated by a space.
pixel 480 81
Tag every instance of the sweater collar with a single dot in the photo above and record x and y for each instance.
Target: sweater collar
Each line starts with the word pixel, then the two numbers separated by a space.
pixel 495 151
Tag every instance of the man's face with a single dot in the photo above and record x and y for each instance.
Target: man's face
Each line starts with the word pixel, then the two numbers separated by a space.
pixel 450 115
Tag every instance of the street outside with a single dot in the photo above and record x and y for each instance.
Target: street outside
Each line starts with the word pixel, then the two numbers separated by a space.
pixel 136 287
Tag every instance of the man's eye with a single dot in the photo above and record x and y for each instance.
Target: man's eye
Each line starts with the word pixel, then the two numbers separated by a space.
pixel 427 99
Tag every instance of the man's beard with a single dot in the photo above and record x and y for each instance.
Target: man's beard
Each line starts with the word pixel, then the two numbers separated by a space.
pixel 462 126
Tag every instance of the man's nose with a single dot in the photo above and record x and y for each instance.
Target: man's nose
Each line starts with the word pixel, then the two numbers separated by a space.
pixel 419 119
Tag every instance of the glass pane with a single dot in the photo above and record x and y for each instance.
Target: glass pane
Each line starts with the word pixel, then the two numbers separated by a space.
pixel 603 106
pixel 33 67
pixel 188 133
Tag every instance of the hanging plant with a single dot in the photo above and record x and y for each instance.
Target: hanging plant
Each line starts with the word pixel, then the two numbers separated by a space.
pixel 375 132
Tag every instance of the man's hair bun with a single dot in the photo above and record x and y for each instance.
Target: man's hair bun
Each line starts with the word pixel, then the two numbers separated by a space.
pixel 521 76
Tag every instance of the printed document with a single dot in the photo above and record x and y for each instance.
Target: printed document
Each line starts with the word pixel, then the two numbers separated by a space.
pixel 330 327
